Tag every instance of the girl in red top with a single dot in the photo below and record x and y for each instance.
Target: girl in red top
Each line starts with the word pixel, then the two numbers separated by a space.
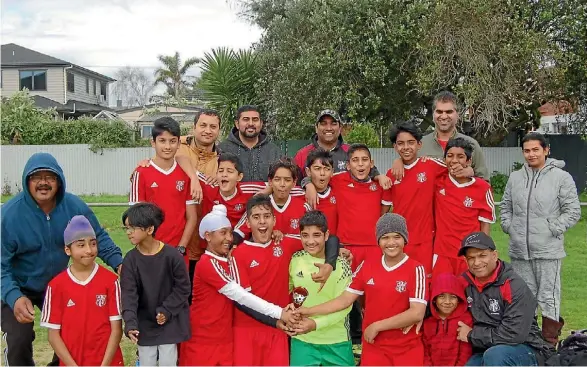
pixel 441 347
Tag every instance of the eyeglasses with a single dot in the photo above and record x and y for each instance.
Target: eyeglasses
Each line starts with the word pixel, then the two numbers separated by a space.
pixel 130 230
pixel 46 178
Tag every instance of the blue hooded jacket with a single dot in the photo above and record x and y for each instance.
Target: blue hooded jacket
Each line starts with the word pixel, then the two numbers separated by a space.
pixel 32 241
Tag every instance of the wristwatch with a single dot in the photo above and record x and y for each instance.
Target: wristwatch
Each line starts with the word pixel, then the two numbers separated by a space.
pixel 181 249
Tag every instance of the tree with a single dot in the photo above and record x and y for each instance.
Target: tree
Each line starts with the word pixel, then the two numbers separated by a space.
pixel 364 134
pixel 228 81
pixel 133 86
pixel 173 73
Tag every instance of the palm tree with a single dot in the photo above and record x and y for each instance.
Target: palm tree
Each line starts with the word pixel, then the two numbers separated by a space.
pixel 228 81
pixel 173 73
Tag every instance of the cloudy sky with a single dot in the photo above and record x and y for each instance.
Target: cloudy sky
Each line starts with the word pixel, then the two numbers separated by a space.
pixel 104 35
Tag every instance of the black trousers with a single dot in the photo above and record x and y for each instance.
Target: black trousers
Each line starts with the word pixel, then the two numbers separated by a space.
pixel 356 323
pixel 192 270
pixel 19 337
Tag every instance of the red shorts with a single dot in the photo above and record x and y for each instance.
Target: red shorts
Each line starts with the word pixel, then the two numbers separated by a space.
pixel 422 253
pixel 445 264
pixel 361 253
pixel 197 354
pixel 385 355
pixel 260 346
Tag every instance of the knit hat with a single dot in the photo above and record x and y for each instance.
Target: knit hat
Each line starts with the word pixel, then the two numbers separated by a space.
pixel 392 223
pixel 214 220
pixel 78 228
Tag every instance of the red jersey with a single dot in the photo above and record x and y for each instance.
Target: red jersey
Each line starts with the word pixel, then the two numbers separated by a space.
pixel 359 208
pixel 394 287
pixel 264 269
pixel 82 311
pixel 458 210
pixel 413 197
pixel 170 191
pixel 327 205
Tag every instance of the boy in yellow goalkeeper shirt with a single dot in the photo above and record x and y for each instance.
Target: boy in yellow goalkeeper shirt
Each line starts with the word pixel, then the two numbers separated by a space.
pixel 319 340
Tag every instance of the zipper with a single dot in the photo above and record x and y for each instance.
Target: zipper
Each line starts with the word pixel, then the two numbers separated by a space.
pixel 528 216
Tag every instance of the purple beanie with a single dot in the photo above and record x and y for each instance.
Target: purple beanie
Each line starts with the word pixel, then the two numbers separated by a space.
pixel 79 227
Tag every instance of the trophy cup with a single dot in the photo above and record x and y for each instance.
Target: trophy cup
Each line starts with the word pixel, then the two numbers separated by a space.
pixel 299 296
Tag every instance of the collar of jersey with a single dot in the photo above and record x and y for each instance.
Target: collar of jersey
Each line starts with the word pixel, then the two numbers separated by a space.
pixel 227 198
pixel 461 185
pixel 276 207
pixel 256 244
pixel 411 165
pixel 387 268
pixel 151 163
pixel 219 258
pixel 325 193
pixel 85 282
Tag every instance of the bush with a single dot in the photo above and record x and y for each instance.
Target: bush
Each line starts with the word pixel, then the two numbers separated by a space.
pixel 363 133
pixel 498 182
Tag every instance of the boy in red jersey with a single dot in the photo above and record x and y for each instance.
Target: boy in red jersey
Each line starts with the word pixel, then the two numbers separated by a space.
pixel 165 184
pixel 263 265
pixel 85 291
pixel 395 292
pixel 214 292
pixel 462 205
pixel 319 168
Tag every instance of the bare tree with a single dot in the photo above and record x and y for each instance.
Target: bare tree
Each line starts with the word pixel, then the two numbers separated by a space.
pixel 133 86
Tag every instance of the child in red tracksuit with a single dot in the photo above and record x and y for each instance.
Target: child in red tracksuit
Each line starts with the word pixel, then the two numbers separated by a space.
pixel 448 307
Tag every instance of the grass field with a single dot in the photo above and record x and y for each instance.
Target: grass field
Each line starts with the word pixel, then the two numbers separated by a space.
pixel 574 292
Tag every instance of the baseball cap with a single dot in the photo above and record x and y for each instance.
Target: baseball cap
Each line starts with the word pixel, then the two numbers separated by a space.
pixel 331 113
pixel 477 240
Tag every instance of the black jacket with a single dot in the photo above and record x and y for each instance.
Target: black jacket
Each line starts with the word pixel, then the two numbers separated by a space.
pixel 255 161
pixel 503 313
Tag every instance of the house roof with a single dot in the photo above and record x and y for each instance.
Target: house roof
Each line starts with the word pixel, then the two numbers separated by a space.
pixel 46 103
pixel 14 55
pixel 177 116
pixel 154 105
pixel 80 107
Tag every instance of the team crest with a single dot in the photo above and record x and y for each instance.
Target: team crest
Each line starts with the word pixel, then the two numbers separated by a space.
pixel 179 185
pixel 470 300
pixel 294 223
pixel 493 305
pixel 277 251
pixel 341 165
pixel 332 200
pixel 373 187
pixel 238 207
pixel 400 286
pixel 468 202
pixel 422 177
pixel 101 300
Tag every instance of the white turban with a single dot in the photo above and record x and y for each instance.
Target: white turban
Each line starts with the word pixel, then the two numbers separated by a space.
pixel 214 220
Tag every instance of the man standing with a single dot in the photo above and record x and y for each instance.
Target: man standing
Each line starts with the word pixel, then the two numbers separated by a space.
pixel 539 204
pixel 250 143
pixel 33 223
pixel 505 331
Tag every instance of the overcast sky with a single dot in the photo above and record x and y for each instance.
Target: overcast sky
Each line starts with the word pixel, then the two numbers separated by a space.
pixel 104 35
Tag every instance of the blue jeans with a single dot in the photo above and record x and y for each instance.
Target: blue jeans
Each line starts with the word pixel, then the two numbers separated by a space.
pixel 504 355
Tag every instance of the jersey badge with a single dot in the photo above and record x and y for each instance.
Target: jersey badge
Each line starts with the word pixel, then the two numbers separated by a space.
pixel 373 187
pixel 216 202
pixel 421 177
pixel 179 185
pixel 468 202
pixel 100 300
pixel 332 200
pixel 277 251
pixel 294 223
pixel 469 301
pixel 238 207
pixel 493 305
pixel 400 286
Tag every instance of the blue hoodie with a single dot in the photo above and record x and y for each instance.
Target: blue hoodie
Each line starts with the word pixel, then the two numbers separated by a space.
pixel 32 241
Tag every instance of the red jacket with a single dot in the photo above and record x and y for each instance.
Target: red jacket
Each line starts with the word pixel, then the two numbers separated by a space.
pixel 441 347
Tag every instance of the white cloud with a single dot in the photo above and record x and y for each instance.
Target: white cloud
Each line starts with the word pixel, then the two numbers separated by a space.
pixel 103 35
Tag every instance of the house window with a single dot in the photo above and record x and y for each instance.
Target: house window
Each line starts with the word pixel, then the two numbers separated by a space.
pixel 88 85
pixel 146 132
pixel 103 90
pixel 70 82
pixel 33 79
pixel 94 87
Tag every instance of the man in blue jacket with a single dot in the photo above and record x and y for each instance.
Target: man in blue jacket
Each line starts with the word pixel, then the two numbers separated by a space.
pixel 33 223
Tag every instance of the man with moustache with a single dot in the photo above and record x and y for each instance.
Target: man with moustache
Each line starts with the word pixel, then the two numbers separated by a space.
pixel 33 223
pixel 250 143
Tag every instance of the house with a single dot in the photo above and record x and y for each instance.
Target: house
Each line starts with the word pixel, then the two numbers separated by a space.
pixel 133 114
pixel 558 118
pixel 71 89
pixel 145 123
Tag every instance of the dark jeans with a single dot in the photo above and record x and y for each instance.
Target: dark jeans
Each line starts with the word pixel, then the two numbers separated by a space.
pixel 19 337
pixel 505 355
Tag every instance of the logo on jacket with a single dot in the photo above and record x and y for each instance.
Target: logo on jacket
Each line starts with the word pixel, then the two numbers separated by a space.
pixel 421 176
pixel 332 200
pixel 468 202
pixel 179 185
pixel 400 286
pixel 294 223
pixel 101 300
pixel 342 165
pixel 238 207
pixel 277 251
pixel 493 305
pixel 373 187
pixel 469 301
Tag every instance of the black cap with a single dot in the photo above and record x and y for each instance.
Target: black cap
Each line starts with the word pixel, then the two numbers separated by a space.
pixel 331 113
pixel 477 240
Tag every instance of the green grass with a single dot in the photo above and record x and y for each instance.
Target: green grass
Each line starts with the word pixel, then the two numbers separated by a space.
pixel 574 292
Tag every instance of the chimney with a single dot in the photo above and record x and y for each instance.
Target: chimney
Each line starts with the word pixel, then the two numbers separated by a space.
pixel 119 103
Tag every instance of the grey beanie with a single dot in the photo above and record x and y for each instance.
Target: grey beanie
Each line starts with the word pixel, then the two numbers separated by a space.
pixel 392 223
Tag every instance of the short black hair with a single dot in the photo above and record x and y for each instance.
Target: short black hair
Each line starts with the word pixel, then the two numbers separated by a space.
pixel 233 158
pixel 535 136
pixel 163 124
pixel 460 143
pixel 207 112
pixel 314 218
pixel 287 163
pixel 405 127
pixel 144 215
pixel 321 155
pixel 247 108
pixel 356 147
pixel 259 200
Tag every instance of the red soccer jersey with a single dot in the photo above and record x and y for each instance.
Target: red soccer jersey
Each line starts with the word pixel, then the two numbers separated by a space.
pixel 170 191
pixel 359 208
pixel 388 292
pixel 264 269
pixel 458 210
pixel 82 311
pixel 211 311
pixel 327 205
pixel 413 197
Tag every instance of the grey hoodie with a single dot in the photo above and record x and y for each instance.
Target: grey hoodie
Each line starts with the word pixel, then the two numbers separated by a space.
pixel 537 208
pixel 255 161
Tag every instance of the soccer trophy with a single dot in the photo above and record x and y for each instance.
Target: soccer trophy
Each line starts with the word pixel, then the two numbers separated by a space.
pixel 299 296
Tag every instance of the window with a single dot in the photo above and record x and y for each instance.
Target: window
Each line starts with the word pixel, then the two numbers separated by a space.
pixel 94 87
pixel 88 85
pixel 70 82
pixel 33 79
pixel 103 91
pixel 146 132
